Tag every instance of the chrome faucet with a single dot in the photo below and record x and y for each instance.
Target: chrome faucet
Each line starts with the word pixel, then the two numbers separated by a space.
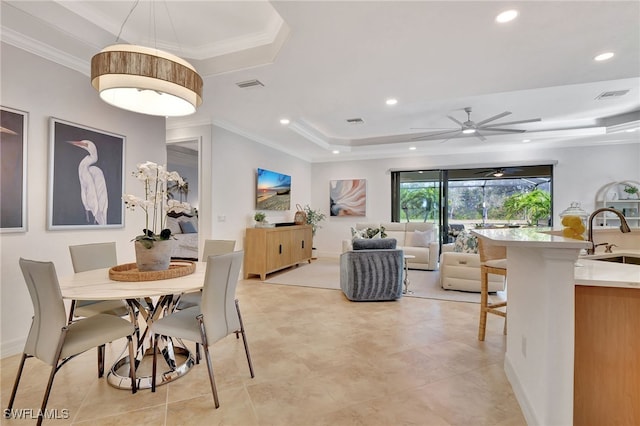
pixel 624 226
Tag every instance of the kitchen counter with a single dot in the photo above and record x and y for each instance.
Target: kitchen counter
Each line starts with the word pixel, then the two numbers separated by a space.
pixel 544 271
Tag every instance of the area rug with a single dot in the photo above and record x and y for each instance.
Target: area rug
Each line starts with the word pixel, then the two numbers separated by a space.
pixel 325 273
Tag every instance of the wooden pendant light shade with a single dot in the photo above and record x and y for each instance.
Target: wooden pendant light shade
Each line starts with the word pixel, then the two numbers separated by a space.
pixel 146 80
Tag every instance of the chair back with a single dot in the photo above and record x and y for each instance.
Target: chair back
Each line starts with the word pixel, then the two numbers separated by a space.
pixel 49 315
pixel 217 247
pixel 219 294
pixel 490 251
pixel 87 257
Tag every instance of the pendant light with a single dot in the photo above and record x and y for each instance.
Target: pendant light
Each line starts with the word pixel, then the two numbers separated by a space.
pixel 146 80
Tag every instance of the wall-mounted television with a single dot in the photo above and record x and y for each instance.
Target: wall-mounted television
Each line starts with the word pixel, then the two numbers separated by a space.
pixel 273 190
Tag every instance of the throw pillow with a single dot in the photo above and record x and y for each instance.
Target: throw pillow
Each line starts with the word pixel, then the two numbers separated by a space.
pixel 466 243
pixel 358 233
pixel 422 238
pixel 368 233
pixel 187 227
pixel 173 225
pixel 374 244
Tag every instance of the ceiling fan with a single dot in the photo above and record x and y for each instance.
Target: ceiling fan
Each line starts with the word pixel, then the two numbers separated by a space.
pixel 470 127
pixel 499 171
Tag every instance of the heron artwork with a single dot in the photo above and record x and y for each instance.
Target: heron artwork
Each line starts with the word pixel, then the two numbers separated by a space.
pixel 93 187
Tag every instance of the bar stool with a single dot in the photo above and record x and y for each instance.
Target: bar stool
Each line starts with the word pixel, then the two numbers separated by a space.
pixel 492 261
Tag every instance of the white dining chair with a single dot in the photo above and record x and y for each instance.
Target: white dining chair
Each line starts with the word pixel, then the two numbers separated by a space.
pixel 217 316
pixel 54 341
pixel 87 257
pixel 211 248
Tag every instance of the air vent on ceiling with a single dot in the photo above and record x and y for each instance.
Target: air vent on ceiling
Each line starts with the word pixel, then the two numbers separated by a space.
pixel 355 120
pixel 249 83
pixel 612 94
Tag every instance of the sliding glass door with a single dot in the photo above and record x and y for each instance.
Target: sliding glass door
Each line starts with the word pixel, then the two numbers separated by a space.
pixel 457 199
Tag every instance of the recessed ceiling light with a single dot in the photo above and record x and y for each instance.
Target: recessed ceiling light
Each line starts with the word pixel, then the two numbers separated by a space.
pixel 284 121
pixel 335 151
pixel 468 131
pixel 526 140
pixel 604 56
pixel 391 101
pixel 506 16
pixel 412 148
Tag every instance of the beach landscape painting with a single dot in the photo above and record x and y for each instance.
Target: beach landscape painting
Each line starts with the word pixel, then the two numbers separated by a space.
pixel 348 197
pixel 273 191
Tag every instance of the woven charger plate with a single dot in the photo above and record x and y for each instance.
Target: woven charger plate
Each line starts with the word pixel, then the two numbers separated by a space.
pixel 129 272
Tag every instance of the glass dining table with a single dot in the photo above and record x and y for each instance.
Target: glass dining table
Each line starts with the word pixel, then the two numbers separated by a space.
pixel 150 300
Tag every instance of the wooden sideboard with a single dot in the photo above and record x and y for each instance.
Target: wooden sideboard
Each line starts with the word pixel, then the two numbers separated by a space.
pixel 268 250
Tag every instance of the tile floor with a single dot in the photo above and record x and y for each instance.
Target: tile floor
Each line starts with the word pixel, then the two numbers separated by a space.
pixel 319 360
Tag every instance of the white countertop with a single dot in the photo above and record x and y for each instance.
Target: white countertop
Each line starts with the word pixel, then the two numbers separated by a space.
pixel 587 272
pixel 530 237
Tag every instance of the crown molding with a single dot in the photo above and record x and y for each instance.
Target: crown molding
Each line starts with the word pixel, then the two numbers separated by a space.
pixel 45 51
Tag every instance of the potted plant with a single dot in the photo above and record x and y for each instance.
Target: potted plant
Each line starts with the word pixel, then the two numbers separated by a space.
pixel 314 217
pixel 154 247
pixel 631 189
pixel 260 218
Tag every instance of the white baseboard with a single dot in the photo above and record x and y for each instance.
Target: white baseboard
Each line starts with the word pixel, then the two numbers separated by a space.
pixel 527 410
pixel 11 348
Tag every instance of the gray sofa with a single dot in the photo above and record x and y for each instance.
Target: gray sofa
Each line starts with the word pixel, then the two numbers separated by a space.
pixel 372 271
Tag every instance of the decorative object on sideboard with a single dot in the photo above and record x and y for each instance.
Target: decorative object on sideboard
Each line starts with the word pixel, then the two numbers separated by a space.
pixel 300 218
pixel 155 246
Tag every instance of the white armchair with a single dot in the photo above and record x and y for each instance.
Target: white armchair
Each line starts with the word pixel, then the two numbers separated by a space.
pixel 461 271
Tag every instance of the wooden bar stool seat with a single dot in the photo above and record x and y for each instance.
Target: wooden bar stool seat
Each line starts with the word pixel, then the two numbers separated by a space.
pixel 492 261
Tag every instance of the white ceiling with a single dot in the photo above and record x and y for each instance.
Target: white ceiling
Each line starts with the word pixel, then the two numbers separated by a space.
pixel 323 62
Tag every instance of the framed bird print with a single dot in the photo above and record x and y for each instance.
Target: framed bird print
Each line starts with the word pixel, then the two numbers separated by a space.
pixel 86 177
pixel 13 173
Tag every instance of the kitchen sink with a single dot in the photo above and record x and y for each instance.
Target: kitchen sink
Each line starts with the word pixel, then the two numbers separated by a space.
pixel 634 260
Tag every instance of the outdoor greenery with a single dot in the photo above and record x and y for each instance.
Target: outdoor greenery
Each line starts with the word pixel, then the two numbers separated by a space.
pixel 419 203
pixel 533 206
pixel 477 200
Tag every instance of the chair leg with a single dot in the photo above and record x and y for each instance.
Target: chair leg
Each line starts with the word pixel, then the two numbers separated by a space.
pixel 484 298
pixel 244 339
pixel 207 355
pixel 72 310
pixel 54 370
pixel 132 366
pixel 101 353
pixel 7 412
pixel 155 361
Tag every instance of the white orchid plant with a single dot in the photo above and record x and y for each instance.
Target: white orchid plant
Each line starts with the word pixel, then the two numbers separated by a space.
pixel 155 203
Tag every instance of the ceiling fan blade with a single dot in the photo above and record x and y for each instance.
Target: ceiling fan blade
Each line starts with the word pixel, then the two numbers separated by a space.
pixel 491 129
pixel 531 120
pixel 455 121
pixel 479 136
pixel 432 128
pixel 451 137
pixel 495 117
pixel 434 134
